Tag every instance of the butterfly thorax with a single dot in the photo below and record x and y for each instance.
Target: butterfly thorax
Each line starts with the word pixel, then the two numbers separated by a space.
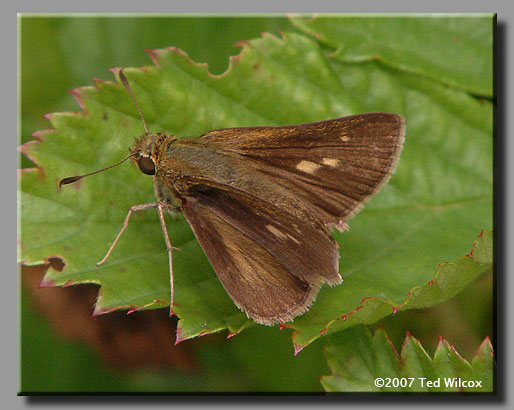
pixel 184 164
pixel 179 165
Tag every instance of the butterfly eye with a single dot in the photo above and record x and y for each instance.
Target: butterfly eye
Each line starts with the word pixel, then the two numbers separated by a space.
pixel 146 165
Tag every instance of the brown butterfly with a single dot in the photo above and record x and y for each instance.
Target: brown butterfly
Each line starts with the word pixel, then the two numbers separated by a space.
pixel 262 201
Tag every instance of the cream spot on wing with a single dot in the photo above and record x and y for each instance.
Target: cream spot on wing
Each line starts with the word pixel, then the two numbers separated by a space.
pixel 281 235
pixel 331 162
pixel 275 232
pixel 293 239
pixel 345 138
pixel 308 167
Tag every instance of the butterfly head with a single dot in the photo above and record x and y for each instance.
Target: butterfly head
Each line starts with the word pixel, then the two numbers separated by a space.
pixel 144 152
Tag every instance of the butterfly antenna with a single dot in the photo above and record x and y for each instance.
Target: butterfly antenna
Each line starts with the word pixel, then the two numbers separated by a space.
pixel 127 86
pixel 70 180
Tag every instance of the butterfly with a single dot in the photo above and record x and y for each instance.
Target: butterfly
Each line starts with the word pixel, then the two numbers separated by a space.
pixel 262 201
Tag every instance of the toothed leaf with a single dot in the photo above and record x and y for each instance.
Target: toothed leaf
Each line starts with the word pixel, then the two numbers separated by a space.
pixel 438 200
pixel 362 362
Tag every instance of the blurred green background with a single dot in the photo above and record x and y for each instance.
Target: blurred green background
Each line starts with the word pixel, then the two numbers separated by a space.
pixel 61 53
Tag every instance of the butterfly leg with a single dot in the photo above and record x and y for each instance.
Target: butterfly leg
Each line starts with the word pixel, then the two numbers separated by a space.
pixel 134 208
pixel 160 206
pixel 170 248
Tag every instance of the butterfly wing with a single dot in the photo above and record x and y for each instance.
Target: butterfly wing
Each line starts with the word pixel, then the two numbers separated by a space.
pixel 333 166
pixel 270 263
pixel 265 226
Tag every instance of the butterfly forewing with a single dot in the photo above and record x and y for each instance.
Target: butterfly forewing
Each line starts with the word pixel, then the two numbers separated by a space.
pixel 332 166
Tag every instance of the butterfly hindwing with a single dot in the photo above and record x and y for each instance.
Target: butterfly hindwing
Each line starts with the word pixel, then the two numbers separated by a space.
pixel 306 250
pixel 257 282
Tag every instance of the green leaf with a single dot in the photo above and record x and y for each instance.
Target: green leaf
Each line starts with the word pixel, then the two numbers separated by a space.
pixel 359 362
pixel 453 50
pixel 440 197
pixel 450 279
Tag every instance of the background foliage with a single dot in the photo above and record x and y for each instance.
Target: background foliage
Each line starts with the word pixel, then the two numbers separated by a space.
pixel 264 353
